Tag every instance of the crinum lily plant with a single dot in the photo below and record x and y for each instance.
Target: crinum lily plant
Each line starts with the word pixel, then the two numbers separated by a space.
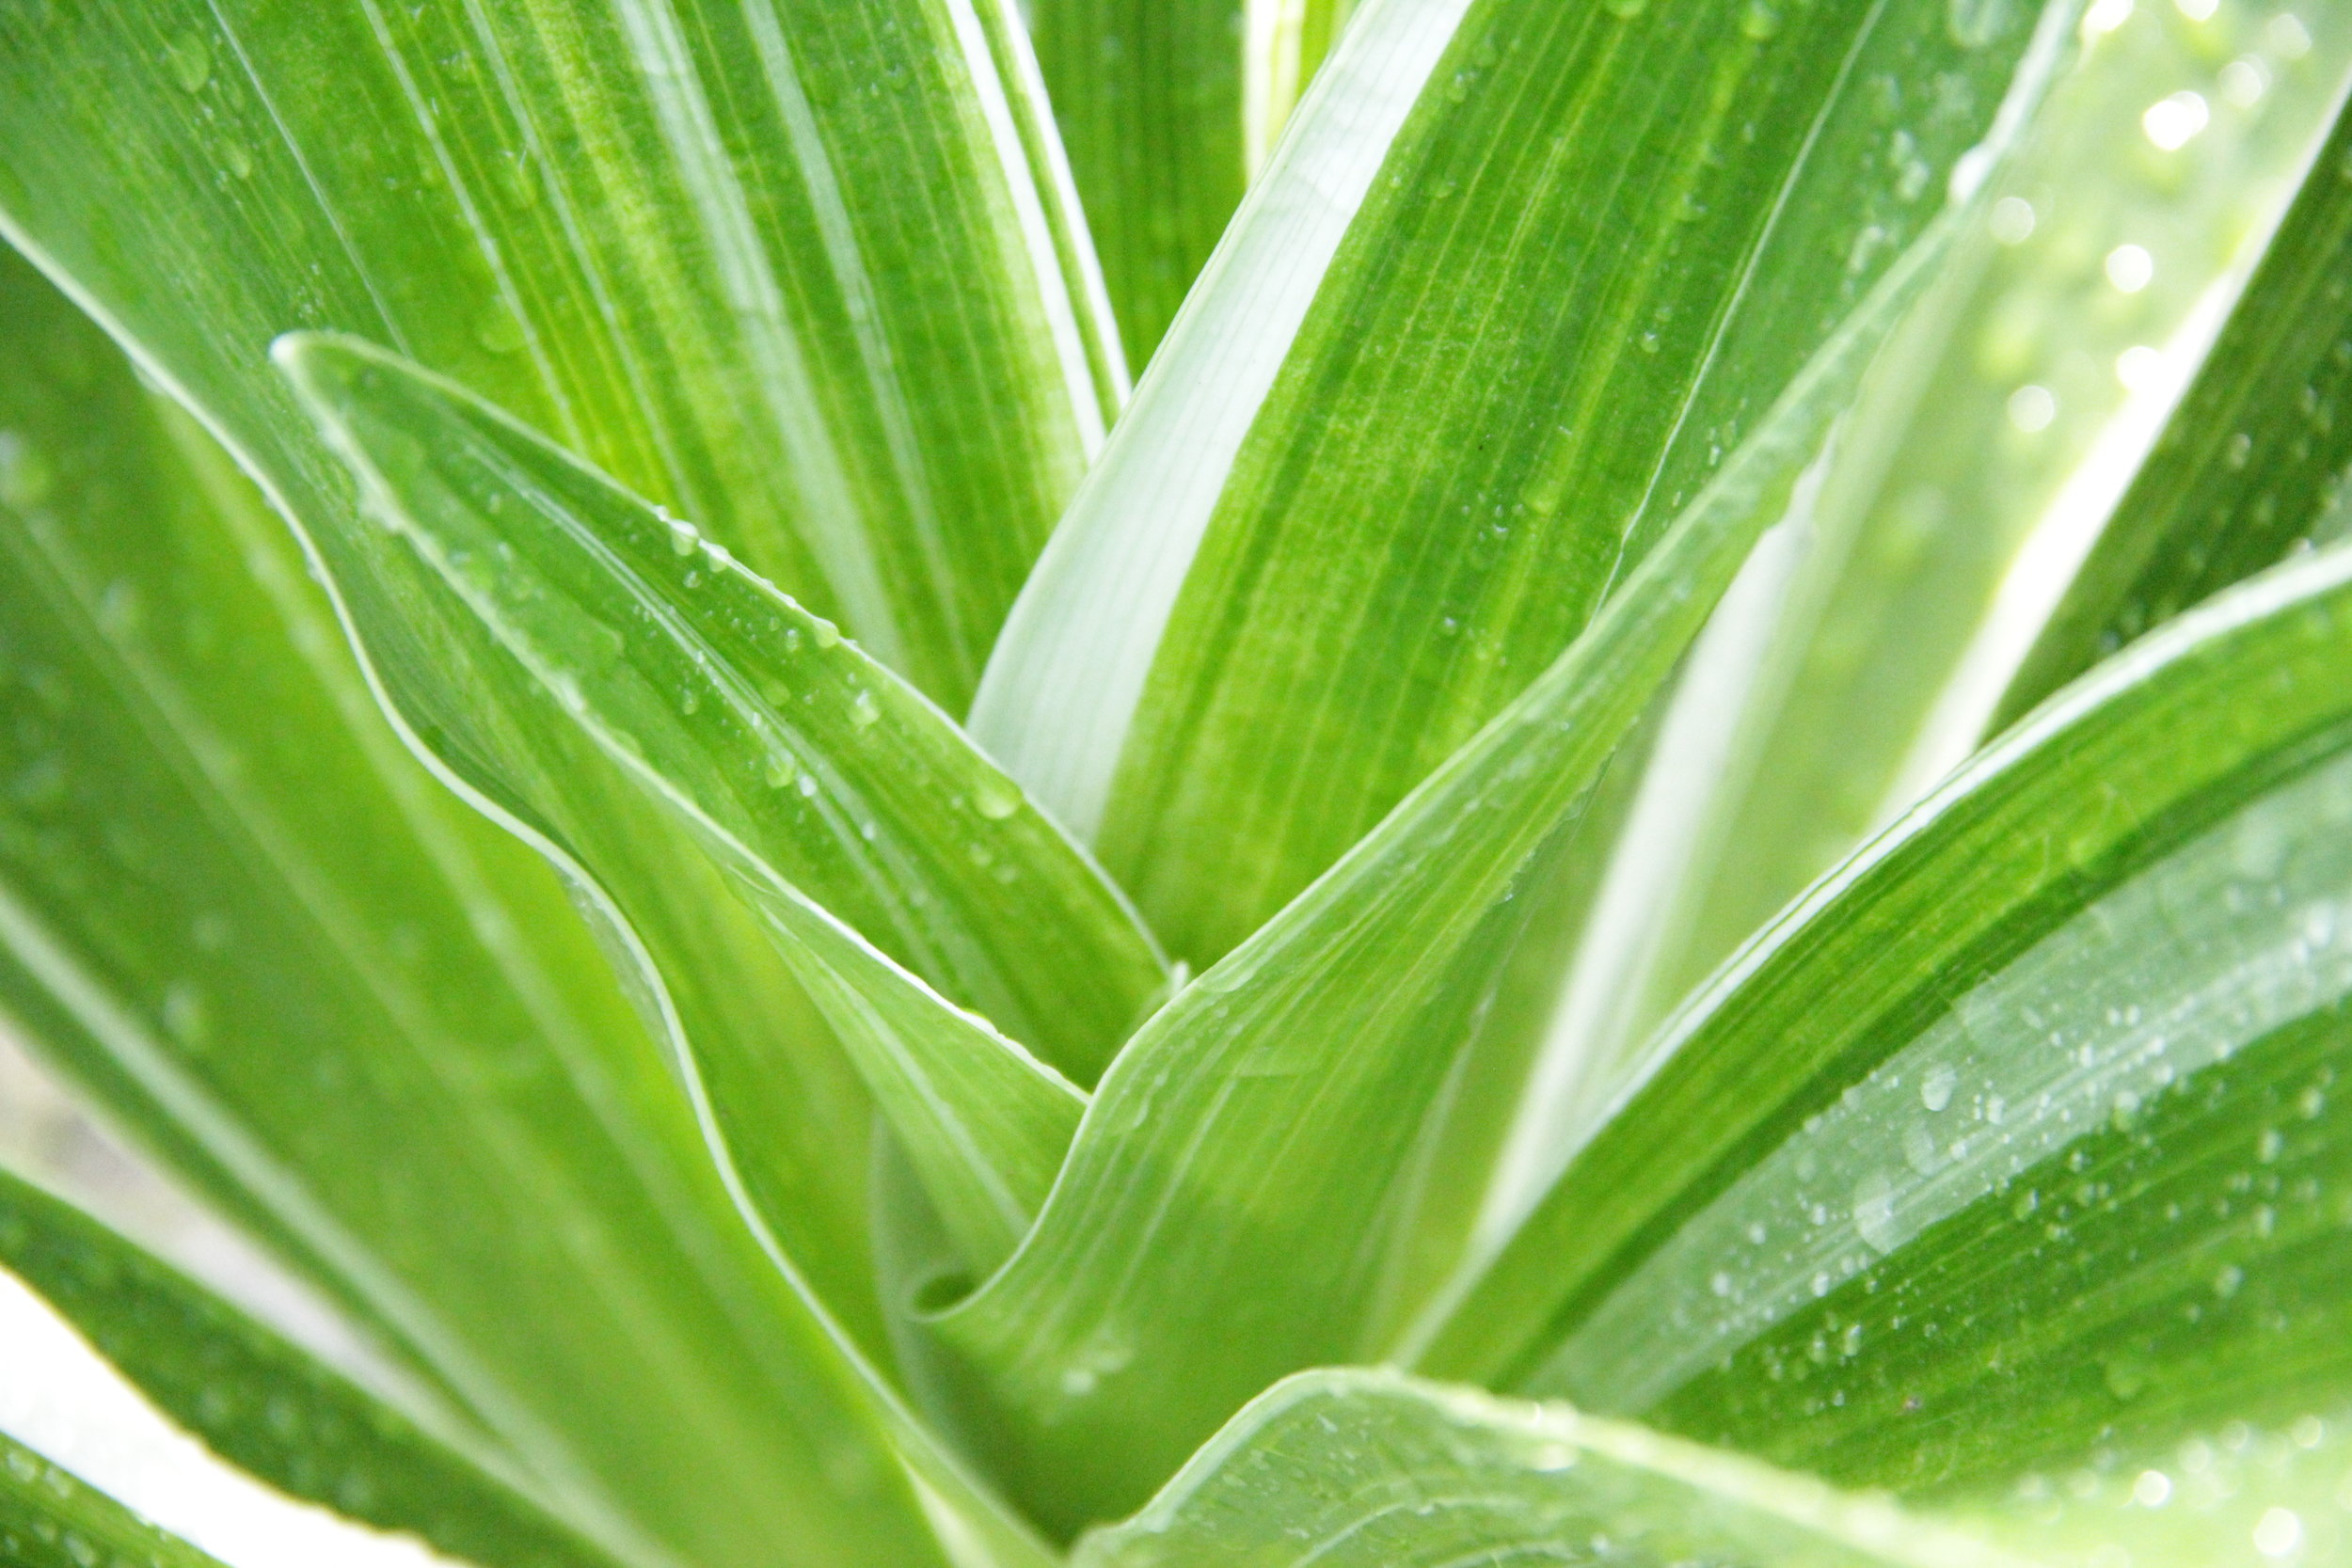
pixel 1646 861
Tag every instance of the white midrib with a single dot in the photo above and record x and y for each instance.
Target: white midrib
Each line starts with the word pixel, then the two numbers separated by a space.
pixel 1060 690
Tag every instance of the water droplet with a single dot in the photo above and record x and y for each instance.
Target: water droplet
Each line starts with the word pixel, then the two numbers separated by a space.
pixel 185 1016
pixel 26 478
pixel 808 786
pixel 191 61
pixel 498 329
pixel 2032 408
pixel 827 635
pixel 1874 1212
pixel 236 160
pixel 2012 220
pixel 1973 24
pixel 2269 1146
pixel 1720 1283
pixel 1935 1089
pixel 995 801
pixel 2130 268
pixel 1759 21
pixel 777 769
pixel 1625 9
pixel 863 712
pixel 2153 1489
pixel 2171 124
pixel 2227 1280
pixel 2278 1532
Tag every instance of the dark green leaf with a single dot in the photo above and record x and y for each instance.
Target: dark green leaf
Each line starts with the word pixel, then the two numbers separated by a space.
pixel 50 1519
pixel 267 1406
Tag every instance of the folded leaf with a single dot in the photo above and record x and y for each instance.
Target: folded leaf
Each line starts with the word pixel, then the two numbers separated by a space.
pixel 369 1027
pixel 1370 1469
pixel 1167 108
pixel 1232 1199
pixel 810 775
pixel 2029 1107
pixel 49 1518
pixel 1522 276
pixel 757 258
pixel 260 1401
pixel 2250 464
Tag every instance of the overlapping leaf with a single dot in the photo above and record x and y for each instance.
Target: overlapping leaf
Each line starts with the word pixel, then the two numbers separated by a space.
pixel 368 1027
pixel 264 1404
pixel 1230 1209
pixel 1167 110
pixel 1522 276
pixel 801 269
pixel 811 777
pixel 1369 1469
pixel 2252 462
pixel 49 1518
pixel 2029 1107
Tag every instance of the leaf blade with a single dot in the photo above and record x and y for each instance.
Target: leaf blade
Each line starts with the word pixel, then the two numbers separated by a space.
pixel 262 1403
pixel 1363 1467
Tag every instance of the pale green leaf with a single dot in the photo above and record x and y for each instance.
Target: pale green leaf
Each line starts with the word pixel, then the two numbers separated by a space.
pixel 809 774
pixel 1519 278
pixel 2010 1164
pixel 1230 1208
pixel 264 1404
pixel 1167 108
pixel 2252 465
pixel 1372 1470
pixel 758 259
pixel 49 1518
pixel 367 1025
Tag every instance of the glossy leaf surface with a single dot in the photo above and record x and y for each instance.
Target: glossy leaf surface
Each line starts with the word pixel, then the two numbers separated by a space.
pixel 1368 1469
pixel 2062 1142
pixel 263 1404
pixel 755 258
pixel 1386 469
pixel 236 913
pixel 49 1518
pixel 1229 1212
pixel 809 775
pixel 2250 464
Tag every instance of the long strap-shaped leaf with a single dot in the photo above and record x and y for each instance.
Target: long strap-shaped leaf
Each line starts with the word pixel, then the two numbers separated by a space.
pixel 810 774
pixel 49 1518
pixel 2029 1105
pixel 753 256
pixel 1521 276
pixel 1370 1469
pixel 1226 1213
pixel 2251 461
pixel 1167 108
pixel 264 1404
pixel 366 1025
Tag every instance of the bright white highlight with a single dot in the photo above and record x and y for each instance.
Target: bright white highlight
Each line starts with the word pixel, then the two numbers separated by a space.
pixel 2130 268
pixel 2171 124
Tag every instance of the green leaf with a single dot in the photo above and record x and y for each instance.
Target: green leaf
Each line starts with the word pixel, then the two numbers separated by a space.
pixel 808 773
pixel 367 1025
pixel 1370 1469
pixel 1167 107
pixel 1388 473
pixel 1229 1209
pixel 2028 1107
pixel 754 259
pixel 49 1518
pixel 2251 465
pixel 264 1404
